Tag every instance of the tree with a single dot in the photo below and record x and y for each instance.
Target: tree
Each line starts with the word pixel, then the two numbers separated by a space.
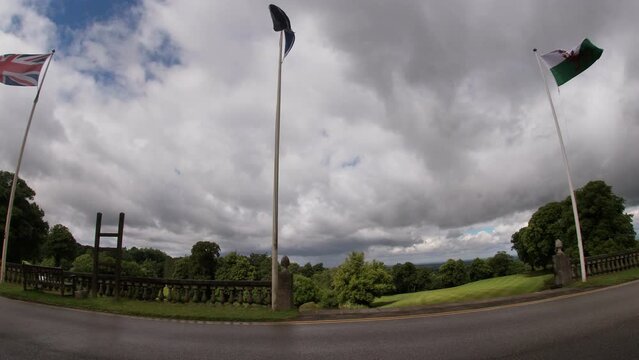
pixel 262 265
pixel 605 228
pixel 501 264
pixel 60 244
pixel 183 268
pixel 404 277
pixel 357 282
pixel 423 279
pixel 453 273
pixel 235 267
pixel 479 270
pixel 28 230
pixel 204 255
pixel 83 263
pixel 152 261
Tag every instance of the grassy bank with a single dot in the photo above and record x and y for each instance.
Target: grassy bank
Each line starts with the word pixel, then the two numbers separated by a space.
pixel 204 312
pixel 608 279
pixel 479 290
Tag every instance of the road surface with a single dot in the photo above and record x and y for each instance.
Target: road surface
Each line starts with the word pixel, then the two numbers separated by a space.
pixel 598 325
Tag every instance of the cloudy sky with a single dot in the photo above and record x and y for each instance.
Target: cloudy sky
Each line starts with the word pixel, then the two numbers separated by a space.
pixel 411 130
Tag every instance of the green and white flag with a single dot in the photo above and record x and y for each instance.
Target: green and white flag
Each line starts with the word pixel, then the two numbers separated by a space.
pixel 565 65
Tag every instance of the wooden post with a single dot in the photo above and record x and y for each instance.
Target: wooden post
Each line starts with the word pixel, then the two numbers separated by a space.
pixel 118 260
pixel 96 249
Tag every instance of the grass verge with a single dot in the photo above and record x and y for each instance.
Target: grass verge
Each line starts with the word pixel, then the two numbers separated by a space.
pixel 205 312
pixel 479 290
pixel 608 279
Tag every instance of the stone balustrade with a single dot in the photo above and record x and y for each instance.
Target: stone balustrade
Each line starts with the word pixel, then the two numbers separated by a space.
pixel 183 291
pixel 146 289
pixel 602 264
pixel 13 273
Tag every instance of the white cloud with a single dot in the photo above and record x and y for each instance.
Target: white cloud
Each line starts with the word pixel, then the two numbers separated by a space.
pixel 398 138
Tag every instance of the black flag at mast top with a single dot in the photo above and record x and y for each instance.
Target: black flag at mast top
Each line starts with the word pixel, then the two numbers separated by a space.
pixel 282 23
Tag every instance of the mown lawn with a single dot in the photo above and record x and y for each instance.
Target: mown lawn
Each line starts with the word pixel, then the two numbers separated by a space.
pixel 484 289
pixel 204 312
pixel 608 279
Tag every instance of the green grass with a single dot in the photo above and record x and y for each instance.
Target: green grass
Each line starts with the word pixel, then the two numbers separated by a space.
pixel 479 290
pixel 204 312
pixel 608 279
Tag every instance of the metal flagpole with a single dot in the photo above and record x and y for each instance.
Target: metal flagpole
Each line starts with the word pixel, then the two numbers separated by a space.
pixel 276 170
pixel 15 175
pixel 572 191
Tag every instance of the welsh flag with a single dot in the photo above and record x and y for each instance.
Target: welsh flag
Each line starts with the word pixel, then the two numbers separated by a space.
pixel 565 65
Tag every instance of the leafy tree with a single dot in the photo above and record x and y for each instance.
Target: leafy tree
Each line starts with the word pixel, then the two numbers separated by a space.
pixel 605 227
pixel 405 277
pixel 453 273
pixel 131 268
pixel 324 282
pixel 262 265
pixel 151 261
pixel 309 270
pixel 204 255
pixel 60 244
pixel 501 264
pixel 304 290
pixel 83 263
pixel 479 270
pixel 183 268
pixel 106 265
pixel 28 229
pixel 295 268
pixel 235 267
pixel 535 244
pixel 423 279
pixel 357 282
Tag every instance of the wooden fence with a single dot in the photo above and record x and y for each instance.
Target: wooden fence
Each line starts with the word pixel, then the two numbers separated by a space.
pixel 148 289
pixel 602 264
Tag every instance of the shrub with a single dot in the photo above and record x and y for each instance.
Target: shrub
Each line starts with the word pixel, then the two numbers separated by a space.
pixel 304 290
pixel 357 282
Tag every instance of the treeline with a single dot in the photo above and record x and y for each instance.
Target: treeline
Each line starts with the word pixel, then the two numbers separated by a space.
pixel 357 282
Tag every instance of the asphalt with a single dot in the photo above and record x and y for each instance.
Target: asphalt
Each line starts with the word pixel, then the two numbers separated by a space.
pixel 336 314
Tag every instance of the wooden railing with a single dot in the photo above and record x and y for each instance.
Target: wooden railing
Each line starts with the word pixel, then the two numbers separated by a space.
pixel 147 289
pixel 602 264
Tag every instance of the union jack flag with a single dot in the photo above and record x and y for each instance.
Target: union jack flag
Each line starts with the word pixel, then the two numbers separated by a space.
pixel 21 69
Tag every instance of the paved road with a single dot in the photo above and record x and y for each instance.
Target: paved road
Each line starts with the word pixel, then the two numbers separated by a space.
pixel 600 325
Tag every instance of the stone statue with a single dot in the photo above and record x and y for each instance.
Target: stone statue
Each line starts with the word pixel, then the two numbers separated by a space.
pixel 559 247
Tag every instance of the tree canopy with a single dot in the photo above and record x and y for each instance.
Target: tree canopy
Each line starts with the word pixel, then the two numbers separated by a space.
pixel 204 255
pixel 234 266
pixel 60 245
pixel 605 228
pixel 28 229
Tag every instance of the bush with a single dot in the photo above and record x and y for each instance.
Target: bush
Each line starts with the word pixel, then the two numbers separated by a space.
pixel 357 282
pixel 304 290
pixel 328 299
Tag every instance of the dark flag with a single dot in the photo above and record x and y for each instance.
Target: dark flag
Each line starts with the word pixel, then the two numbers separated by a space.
pixel 282 23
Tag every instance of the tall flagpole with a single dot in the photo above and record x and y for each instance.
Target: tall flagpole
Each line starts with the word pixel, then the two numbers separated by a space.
pixel 15 175
pixel 276 170
pixel 570 186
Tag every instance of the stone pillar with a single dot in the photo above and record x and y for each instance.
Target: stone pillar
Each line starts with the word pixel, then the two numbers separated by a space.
pixel 284 287
pixel 561 266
